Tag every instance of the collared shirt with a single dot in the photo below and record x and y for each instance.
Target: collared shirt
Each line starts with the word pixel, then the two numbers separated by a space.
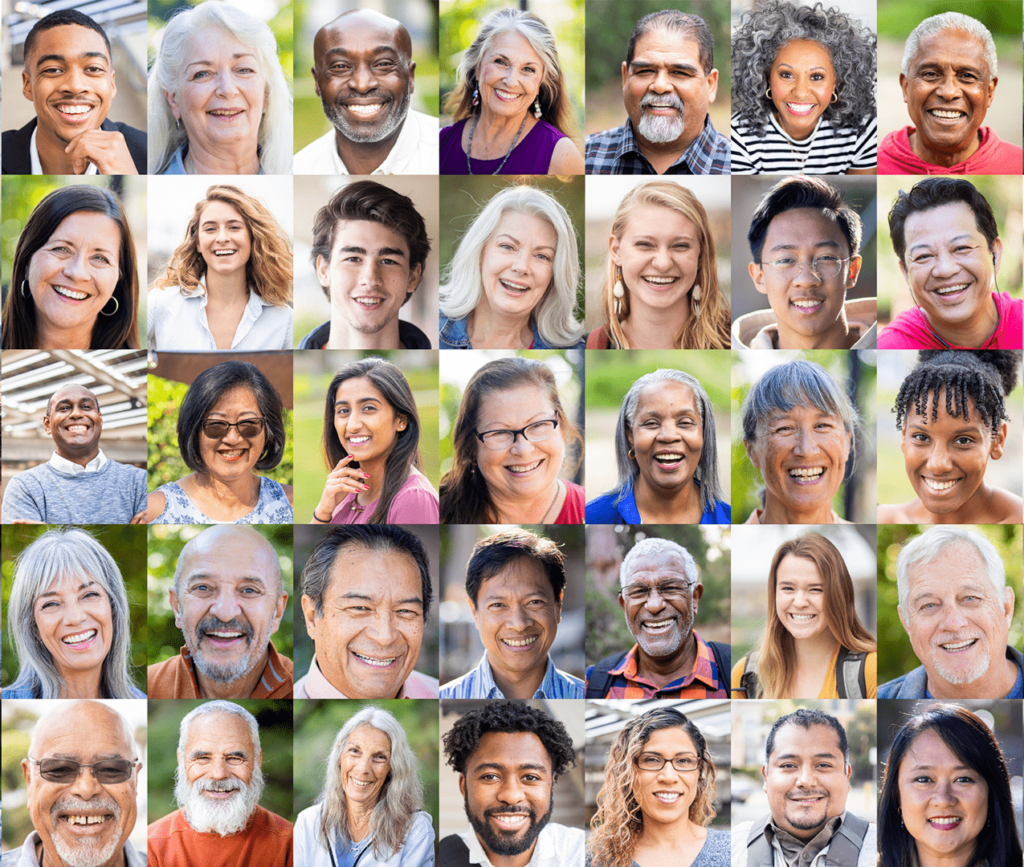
pixel 616 152
pixel 176 677
pixel 63 465
pixel 177 163
pixel 557 846
pixel 454 334
pixel 415 151
pixel 479 683
pixel 25 856
pixel 704 681
pixel 316 685
pixel 37 165
pixel 795 851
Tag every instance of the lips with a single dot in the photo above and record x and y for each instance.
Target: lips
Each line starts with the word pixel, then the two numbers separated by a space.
pixel 953 292
pixel 802 618
pixel 222 253
pixel 944 823
pixel 668 797
pixel 668 460
pixel 946 113
pixel 368 302
pixel 79 639
pixel 658 627
pixel 75 112
pixel 69 293
pixel 364 110
pixel 84 818
pixel 807 305
pixel 513 287
pixel 959 645
pixel 658 284
pixel 232 456
pixel 801 109
pixel 523 469
pixel 226 113
pixel 937 486
pixel 661 103
pixel 507 95
pixel 362 784
pixel 76 429
pixel 509 820
pixel 806 475
pixel 519 643
pixel 375 661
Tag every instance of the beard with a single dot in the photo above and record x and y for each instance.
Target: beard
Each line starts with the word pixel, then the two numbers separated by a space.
pixel 358 135
pixel 218 817
pixel 84 853
pixel 961 675
pixel 661 129
pixel 224 672
pixel 507 843
pixel 658 646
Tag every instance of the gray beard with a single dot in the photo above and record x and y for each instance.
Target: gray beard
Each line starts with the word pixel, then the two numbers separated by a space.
pixel 359 136
pixel 212 817
pixel 660 129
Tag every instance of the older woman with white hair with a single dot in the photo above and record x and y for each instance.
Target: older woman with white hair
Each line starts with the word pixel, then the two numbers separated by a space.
pixel 68 620
pixel 219 102
pixel 371 808
pixel 513 279
pixel 665 448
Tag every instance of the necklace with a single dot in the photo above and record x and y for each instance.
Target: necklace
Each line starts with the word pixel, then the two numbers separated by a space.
pixel 469 150
pixel 558 490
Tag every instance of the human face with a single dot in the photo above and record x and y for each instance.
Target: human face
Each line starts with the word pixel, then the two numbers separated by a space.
pixel 659 254
pixel 221 94
pixel 517 615
pixel 74 422
pixel 957 621
pixel 369 635
pixel 662 622
pixel 368 275
pixel 70 80
pixel 800 598
pixel 75 624
pixel 87 732
pixel 802 457
pixel 944 802
pixel 946 457
pixel 365 763
pixel 225 242
pixel 665 89
pixel 806 779
pixel 510 75
pixel 366 423
pixel 524 470
pixel 507 789
pixel 665 796
pixel 809 308
pixel 364 76
pixel 232 456
pixel 74 274
pixel 802 81
pixel 949 266
pixel 667 436
pixel 518 265
pixel 228 602
pixel 948 89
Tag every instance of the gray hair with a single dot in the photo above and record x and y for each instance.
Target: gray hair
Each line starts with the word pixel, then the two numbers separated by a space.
pixel 951 21
pixel 399 800
pixel 463 286
pixel 220 706
pixel 275 132
pixel 931 543
pixel 58 557
pixel 652 548
pixel 707 468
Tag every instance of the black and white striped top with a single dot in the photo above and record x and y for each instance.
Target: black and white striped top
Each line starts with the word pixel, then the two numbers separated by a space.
pixel 825 152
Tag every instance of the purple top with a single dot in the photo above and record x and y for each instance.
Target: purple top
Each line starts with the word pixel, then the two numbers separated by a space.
pixel 415 503
pixel 532 156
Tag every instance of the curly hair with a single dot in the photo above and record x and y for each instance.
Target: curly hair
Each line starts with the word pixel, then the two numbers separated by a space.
pixel 772 24
pixel 513 717
pixel 618 823
pixel 269 269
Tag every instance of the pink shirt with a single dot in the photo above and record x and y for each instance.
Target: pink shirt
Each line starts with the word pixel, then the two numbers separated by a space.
pixel 315 685
pixel 415 503
pixel 910 329
pixel 993 157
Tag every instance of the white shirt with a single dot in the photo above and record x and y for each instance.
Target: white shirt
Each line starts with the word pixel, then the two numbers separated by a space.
pixel 37 166
pixel 557 846
pixel 415 151
pixel 63 465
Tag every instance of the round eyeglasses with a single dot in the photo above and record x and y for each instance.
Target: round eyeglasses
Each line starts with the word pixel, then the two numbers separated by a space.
pixel 532 433
pixel 247 427
pixel 825 267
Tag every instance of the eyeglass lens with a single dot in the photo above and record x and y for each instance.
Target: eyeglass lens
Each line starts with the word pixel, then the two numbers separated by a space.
pixel 250 427
pixel 67 770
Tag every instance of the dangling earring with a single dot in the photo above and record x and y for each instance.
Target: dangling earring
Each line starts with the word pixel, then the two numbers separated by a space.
pixel 695 299
pixel 476 96
pixel 537 109
pixel 24 287
pixel 117 305
pixel 618 293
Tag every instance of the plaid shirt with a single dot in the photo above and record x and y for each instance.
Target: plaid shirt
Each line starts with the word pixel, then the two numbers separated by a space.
pixel 615 152
pixel 702 682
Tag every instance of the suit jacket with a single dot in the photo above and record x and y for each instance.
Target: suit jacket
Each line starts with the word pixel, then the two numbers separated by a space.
pixel 16 161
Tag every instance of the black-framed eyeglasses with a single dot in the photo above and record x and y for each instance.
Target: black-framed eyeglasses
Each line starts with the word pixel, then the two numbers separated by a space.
pixel 67 770
pixel 247 427
pixel 825 267
pixel 532 433
pixel 654 762
pixel 670 591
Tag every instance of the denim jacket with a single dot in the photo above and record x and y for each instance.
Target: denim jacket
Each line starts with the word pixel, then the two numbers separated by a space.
pixel 453 334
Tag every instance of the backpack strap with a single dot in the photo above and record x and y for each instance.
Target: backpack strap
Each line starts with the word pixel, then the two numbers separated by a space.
pixel 600 677
pixel 844 849
pixel 748 680
pixel 850 681
pixel 453 852
pixel 723 662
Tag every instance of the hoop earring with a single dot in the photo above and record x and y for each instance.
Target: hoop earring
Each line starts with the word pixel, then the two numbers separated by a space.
pixel 835 98
pixel 631 454
pixel 24 286
pixel 695 295
pixel 117 306
pixel 618 292
pixel 768 92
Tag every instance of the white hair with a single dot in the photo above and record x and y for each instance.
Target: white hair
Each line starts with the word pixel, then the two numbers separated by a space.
pixel 220 706
pixel 931 543
pixel 951 21
pixel 652 548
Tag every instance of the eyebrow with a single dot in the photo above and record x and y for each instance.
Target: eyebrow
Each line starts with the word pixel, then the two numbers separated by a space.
pixel 970 587
pixel 368 399
pixel 198 754
pixel 412 600
pixel 54 239
pixel 789 756
pixel 526 766
pixel 55 593
pixel 60 58
pixel 345 52
pixel 541 415
pixel 644 62
pixel 517 241
pixel 210 576
pixel 955 238
pixel 383 251
pixel 834 245
pixel 812 69
pixel 932 767
pixel 211 63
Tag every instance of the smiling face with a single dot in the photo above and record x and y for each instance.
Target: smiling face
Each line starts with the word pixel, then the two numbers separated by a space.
pixel 233 455
pixel 944 802
pixel 802 81
pixel 517 266
pixel 75 424
pixel 224 239
pixel 366 423
pixel 661 619
pixel 666 436
pixel 365 764
pixel 510 75
pixel 369 635
pixel 665 796
pixel 948 89
pixel 74 622
pixel 808 308
pixel 806 779
pixel 74 274
pixel 800 598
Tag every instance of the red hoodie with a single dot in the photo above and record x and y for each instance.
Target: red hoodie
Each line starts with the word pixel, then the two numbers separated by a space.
pixel 994 157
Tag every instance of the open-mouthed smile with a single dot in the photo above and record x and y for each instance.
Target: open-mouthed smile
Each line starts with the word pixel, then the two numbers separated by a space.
pixel 226 113
pixel 959 646
pixel 233 455
pixel 802 618
pixel 947 113
pixel 801 109
pixel 954 292
pixel 937 486
pixel 68 293
pixel 368 302
pixel 668 797
pixel 807 305
pixel 513 287
pixel 375 662
pixel 519 643
pixel 523 469
pixel 221 253
pixel 506 95
pixel 510 821
pixel 945 823
pixel 806 475
pixel 75 112
pixel 80 639
pixel 658 626
pixel 668 460
pixel 364 110
pixel 86 824
pixel 658 283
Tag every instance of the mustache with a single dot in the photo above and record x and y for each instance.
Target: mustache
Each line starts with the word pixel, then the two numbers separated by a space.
pixel 215 624
pixel 218 785
pixel 72 804
pixel 662 99
pixel 511 811
pixel 376 93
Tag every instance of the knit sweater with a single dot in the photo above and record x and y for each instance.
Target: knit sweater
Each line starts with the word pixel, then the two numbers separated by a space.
pixel 114 495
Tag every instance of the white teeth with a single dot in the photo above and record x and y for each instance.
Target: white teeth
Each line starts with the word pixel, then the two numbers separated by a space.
pixel 225 635
pixel 75 109
pixel 667 797
pixel 661 281
pixel 79 637
pixel 806 473
pixel 523 468
pixel 800 106
pixel 365 110
pixel 224 112
pixel 85 820
pixel 233 453
pixel 514 287
pixel 807 303
pixel 361 783
pixel 70 293
pixel 949 290
pixel 959 645
pixel 357 440
pixel 802 618
pixel 940 486
pixel 946 821
pixel 511 821
pixel 951 115
pixel 77 428
pixel 506 95
pixel 379 663
pixel 370 303
pixel 526 642
pixel 657 624
pixel 667 458
pixel 223 252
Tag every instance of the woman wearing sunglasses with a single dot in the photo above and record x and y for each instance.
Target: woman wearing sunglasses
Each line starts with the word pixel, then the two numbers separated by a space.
pixel 230 423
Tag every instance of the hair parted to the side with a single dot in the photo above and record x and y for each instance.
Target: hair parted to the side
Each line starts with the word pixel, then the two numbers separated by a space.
pixel 269 269
pixel 684 24
pixel 465 498
pixel 710 328
pixel 405 455
pixel 776 655
pixel 462 285
pixel 619 822
pixel 973 743
pixel 922 549
pixel 491 555
pixel 400 798
pixel 554 101
pixel 119 330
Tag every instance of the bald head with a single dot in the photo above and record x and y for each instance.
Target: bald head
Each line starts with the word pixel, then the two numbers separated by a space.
pixel 72 392
pixel 356 27
pixel 224 542
pixel 70 719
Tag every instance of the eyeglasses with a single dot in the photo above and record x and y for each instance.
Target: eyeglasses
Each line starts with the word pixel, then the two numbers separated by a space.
pixel 67 770
pixel 825 267
pixel 247 427
pixel 669 591
pixel 532 433
pixel 654 762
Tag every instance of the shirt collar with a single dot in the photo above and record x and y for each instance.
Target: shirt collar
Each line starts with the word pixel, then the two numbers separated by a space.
pixel 703 144
pixel 795 845
pixel 318 686
pixel 703 669
pixel 395 162
pixel 490 689
pixel 63 465
pixel 37 166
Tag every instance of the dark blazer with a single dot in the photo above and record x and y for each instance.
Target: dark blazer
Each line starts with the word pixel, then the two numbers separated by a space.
pixel 16 161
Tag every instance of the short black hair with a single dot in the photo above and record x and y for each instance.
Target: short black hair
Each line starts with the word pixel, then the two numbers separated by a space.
pixel 317 573
pixel 934 193
pixel 62 18
pixel 494 553
pixel 513 717
pixel 209 387
pixel 805 718
pixel 684 24
pixel 804 192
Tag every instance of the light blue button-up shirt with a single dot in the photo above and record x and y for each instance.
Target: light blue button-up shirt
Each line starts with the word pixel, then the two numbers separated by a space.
pixel 178 323
pixel 479 683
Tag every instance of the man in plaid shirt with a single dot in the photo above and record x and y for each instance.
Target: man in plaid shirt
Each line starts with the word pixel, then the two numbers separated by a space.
pixel 668 81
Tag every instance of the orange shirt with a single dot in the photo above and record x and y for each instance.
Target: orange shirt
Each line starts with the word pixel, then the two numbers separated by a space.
pixel 176 678
pixel 266 842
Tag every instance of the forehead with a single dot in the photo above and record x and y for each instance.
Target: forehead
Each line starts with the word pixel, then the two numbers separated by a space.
pixel 216 43
pixel 357 388
pixel 240 398
pixel 653 396
pixel 514 45
pixel 928 748
pixel 801 408
pixel 520 575
pixel 804 227
pixel 359 34
pixel 219 210
pixel 939 572
pixel 84 731
pixel 667 46
pixel 670 742
pixel 368 737
pixel 815 740
pixel 803 52
pixel 655 220
pixel 940 224
pixel 369 235
pixel 230 557
pixel 510 404
pixel 792 567
pixel 527 227
pixel 70 40
pixel 510 750
pixel 72 394
pixel 650 567
pixel 956 47
pixel 219 732
pixel 375 574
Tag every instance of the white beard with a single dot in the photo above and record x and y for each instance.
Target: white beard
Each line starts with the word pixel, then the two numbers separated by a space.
pixel 225 818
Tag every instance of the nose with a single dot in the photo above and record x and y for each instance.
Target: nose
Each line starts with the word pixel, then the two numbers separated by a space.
pixel 74 612
pixel 662 82
pixel 74 79
pixel 668 433
pixel 939 460
pixel 226 84
pixel 654 601
pixel 953 619
pixel 949 88
pixel 222 233
pixel 805 778
pixel 75 268
pixel 219 769
pixel 668 772
pixel 522 261
pixel 944 793
pixel 511 790
pixel 363 78
pixel 799 599
pixel 944 265
pixel 86 785
pixel 382 629
pixel 803 440
pixel 806 275
pixel 369 275
pixel 225 606
pixel 518 617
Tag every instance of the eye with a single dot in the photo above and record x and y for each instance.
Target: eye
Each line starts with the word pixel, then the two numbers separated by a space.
pixel 531 778
pixel 922 779
pixel 496 606
pixel 919 438
pixel 99 257
pixel 200 74
pixel 817 76
pixel 250 591
pixel 544 257
pixel 964 441
pixel 91 594
pixel 386 65
pixel 929 605
pixel 47 605
pixel 246 70
pixel 965 779
pixel 786 75
pixel 784 262
pixel 200 588
pixel 235 760
pixel 922 258
pixel 505 246
pixel 95 70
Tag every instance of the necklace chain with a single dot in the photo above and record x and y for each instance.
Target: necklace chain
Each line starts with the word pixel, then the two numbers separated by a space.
pixel 469 150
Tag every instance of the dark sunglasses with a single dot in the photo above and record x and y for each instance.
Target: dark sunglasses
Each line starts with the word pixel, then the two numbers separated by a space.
pixel 248 428
pixel 67 770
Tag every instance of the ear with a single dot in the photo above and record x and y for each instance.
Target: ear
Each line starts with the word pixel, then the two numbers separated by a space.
pixel 259 759
pixel 752 455
pixel 282 601
pixel 316 80
pixel 113 84
pixel 47 426
pixel 757 275
pixel 622 601
pixel 903 619
pixel 174 607
pixel 997 253
pixel 462 785
pixel 629 436
pixel 26 85
pixel 764 777
pixel 991 91
pixel 323 272
pixel 401 422
pixel 309 615
pixel 854 273
pixel 712 85
pixel 698 591
pixel 904 85
pixel 1008 599
pixel 412 76
pixel 558 604
pixel 613 250
pixel 625 73
pixel 414 281
pixel 998 442
pixel 180 757
pixel 173 103
pixel 26 770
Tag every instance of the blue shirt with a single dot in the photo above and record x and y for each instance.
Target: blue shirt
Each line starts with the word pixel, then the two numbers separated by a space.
pixel 616 152
pixel 479 683
pixel 603 510
pixel 454 334
pixel 914 684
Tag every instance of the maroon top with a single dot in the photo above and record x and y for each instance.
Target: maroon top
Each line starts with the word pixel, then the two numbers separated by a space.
pixel 532 156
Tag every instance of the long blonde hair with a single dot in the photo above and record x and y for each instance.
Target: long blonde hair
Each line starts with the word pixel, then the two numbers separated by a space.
pixel 775 656
pixel 710 328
